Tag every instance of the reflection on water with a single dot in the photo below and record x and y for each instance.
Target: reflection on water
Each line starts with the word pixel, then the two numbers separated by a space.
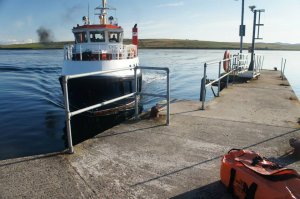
pixel 31 103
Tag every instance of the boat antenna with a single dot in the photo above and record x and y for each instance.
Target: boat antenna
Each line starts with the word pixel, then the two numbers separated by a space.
pixel 103 12
pixel 104 7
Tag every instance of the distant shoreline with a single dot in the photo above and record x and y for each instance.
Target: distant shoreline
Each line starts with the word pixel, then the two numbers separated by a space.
pixel 165 44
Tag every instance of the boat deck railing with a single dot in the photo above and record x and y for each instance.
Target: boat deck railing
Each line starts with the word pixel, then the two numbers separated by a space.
pixel 136 94
pixel 97 52
pixel 236 64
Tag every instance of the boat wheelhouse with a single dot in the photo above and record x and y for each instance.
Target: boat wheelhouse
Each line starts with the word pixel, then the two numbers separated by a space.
pixel 99 47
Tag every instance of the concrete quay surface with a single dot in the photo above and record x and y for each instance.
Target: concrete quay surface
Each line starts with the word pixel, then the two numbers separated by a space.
pixel 146 159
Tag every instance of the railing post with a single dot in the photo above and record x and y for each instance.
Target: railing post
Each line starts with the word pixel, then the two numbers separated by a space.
pixel 281 67
pixel 168 97
pixel 219 82
pixel 65 53
pixel 203 86
pixel 136 115
pixel 80 50
pixel 68 115
pixel 283 76
pixel 227 77
pixel 99 58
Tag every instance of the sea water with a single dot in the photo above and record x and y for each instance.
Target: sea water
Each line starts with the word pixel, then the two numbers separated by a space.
pixel 32 117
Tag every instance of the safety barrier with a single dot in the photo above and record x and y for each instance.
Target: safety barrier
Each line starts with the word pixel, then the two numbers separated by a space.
pixel 99 51
pixel 136 93
pixel 237 64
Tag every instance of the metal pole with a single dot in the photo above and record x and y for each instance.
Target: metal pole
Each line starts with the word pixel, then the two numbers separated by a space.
pixel 242 28
pixel 68 115
pixel 99 58
pixel 204 87
pixel 65 52
pixel 253 42
pixel 168 97
pixel 80 53
pixel 255 64
pixel 136 94
pixel 219 82
pixel 227 78
pixel 281 67
pixel 260 63
pixel 283 76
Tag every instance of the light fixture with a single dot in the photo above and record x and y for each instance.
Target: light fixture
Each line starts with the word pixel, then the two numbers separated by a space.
pixel 252 8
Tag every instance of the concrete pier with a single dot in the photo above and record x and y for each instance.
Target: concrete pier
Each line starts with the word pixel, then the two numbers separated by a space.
pixel 146 159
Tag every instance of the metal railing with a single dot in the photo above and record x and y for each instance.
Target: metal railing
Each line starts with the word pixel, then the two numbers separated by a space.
pixel 116 51
pixel 237 63
pixel 282 68
pixel 136 93
pixel 258 63
pixel 242 63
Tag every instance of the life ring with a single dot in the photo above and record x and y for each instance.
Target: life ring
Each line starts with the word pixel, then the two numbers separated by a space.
pixel 226 63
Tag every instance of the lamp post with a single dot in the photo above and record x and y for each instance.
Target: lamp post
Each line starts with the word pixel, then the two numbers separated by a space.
pixel 242 27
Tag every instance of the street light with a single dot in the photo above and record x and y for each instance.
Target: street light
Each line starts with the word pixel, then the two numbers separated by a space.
pixel 252 8
pixel 242 26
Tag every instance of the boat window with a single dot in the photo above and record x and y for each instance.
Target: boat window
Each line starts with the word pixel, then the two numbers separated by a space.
pixel 80 37
pixel 114 37
pixel 97 36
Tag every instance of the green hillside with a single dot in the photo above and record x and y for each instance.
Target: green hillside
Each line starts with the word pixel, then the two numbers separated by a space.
pixel 167 44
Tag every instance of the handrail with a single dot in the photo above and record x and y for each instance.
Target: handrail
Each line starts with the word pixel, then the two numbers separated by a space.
pixel 235 62
pixel 97 73
pixel 117 51
pixel 136 93
pixel 258 63
pixel 215 62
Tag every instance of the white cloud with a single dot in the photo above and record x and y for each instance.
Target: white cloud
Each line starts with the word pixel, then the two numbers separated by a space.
pixel 15 41
pixel 176 4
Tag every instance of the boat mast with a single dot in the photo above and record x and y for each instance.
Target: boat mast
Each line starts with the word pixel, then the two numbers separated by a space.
pixel 103 18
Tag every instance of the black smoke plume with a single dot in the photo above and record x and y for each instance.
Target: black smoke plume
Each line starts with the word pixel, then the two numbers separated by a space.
pixel 45 35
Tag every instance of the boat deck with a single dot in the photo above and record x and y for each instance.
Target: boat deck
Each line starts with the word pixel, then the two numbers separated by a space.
pixel 146 159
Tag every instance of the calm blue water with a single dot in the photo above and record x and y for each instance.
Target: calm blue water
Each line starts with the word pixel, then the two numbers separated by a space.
pixel 32 117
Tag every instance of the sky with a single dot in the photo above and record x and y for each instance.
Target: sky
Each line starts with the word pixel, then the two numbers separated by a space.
pixel 208 20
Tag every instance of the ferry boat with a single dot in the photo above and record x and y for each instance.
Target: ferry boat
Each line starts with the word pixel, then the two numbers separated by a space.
pixel 99 47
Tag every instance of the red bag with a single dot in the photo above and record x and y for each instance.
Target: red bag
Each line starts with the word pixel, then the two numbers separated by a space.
pixel 248 175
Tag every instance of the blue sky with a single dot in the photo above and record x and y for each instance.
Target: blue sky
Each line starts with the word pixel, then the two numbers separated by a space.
pixel 212 20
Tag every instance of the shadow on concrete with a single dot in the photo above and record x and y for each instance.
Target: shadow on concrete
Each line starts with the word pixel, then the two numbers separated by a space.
pixel 177 171
pixel 273 138
pixel 215 190
pixel 184 112
pixel 127 132
pixel 286 159
pixel 9 162
pixel 215 158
